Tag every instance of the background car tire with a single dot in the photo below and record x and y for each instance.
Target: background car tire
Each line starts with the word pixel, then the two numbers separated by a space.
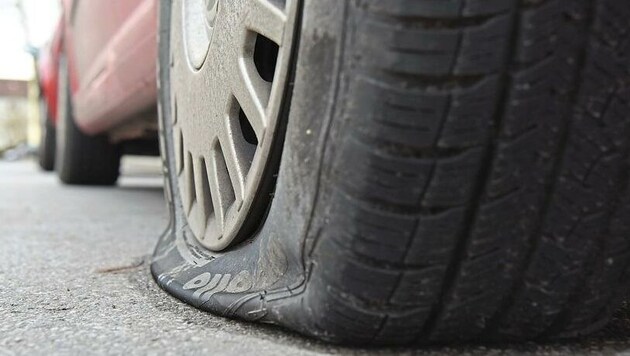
pixel 46 150
pixel 81 159
pixel 452 171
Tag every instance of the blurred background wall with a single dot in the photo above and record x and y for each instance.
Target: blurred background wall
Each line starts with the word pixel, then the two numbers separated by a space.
pixel 25 25
pixel 14 112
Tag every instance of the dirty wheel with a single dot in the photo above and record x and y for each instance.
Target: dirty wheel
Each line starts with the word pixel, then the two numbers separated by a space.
pixel 229 79
pixel 397 172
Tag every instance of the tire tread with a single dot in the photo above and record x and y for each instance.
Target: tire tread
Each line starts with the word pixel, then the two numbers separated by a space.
pixel 479 179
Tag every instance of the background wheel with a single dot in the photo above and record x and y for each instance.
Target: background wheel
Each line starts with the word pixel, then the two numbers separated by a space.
pixel 452 171
pixel 46 151
pixel 81 159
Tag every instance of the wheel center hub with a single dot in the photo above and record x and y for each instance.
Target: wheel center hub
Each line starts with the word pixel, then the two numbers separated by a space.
pixel 199 19
pixel 212 9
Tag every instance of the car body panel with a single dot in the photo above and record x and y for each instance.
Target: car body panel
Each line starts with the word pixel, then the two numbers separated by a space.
pixel 111 51
pixel 48 69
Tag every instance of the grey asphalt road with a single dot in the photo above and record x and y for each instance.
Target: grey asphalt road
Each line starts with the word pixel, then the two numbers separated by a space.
pixel 74 279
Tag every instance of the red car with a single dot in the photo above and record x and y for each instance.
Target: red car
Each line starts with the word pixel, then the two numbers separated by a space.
pixel 375 172
pixel 99 81
pixel 48 69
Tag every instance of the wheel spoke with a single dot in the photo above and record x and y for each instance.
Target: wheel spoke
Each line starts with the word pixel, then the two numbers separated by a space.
pixel 202 188
pixel 215 192
pixel 252 94
pixel 179 149
pixel 233 162
pixel 188 181
pixel 174 113
pixel 266 19
pixel 220 185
